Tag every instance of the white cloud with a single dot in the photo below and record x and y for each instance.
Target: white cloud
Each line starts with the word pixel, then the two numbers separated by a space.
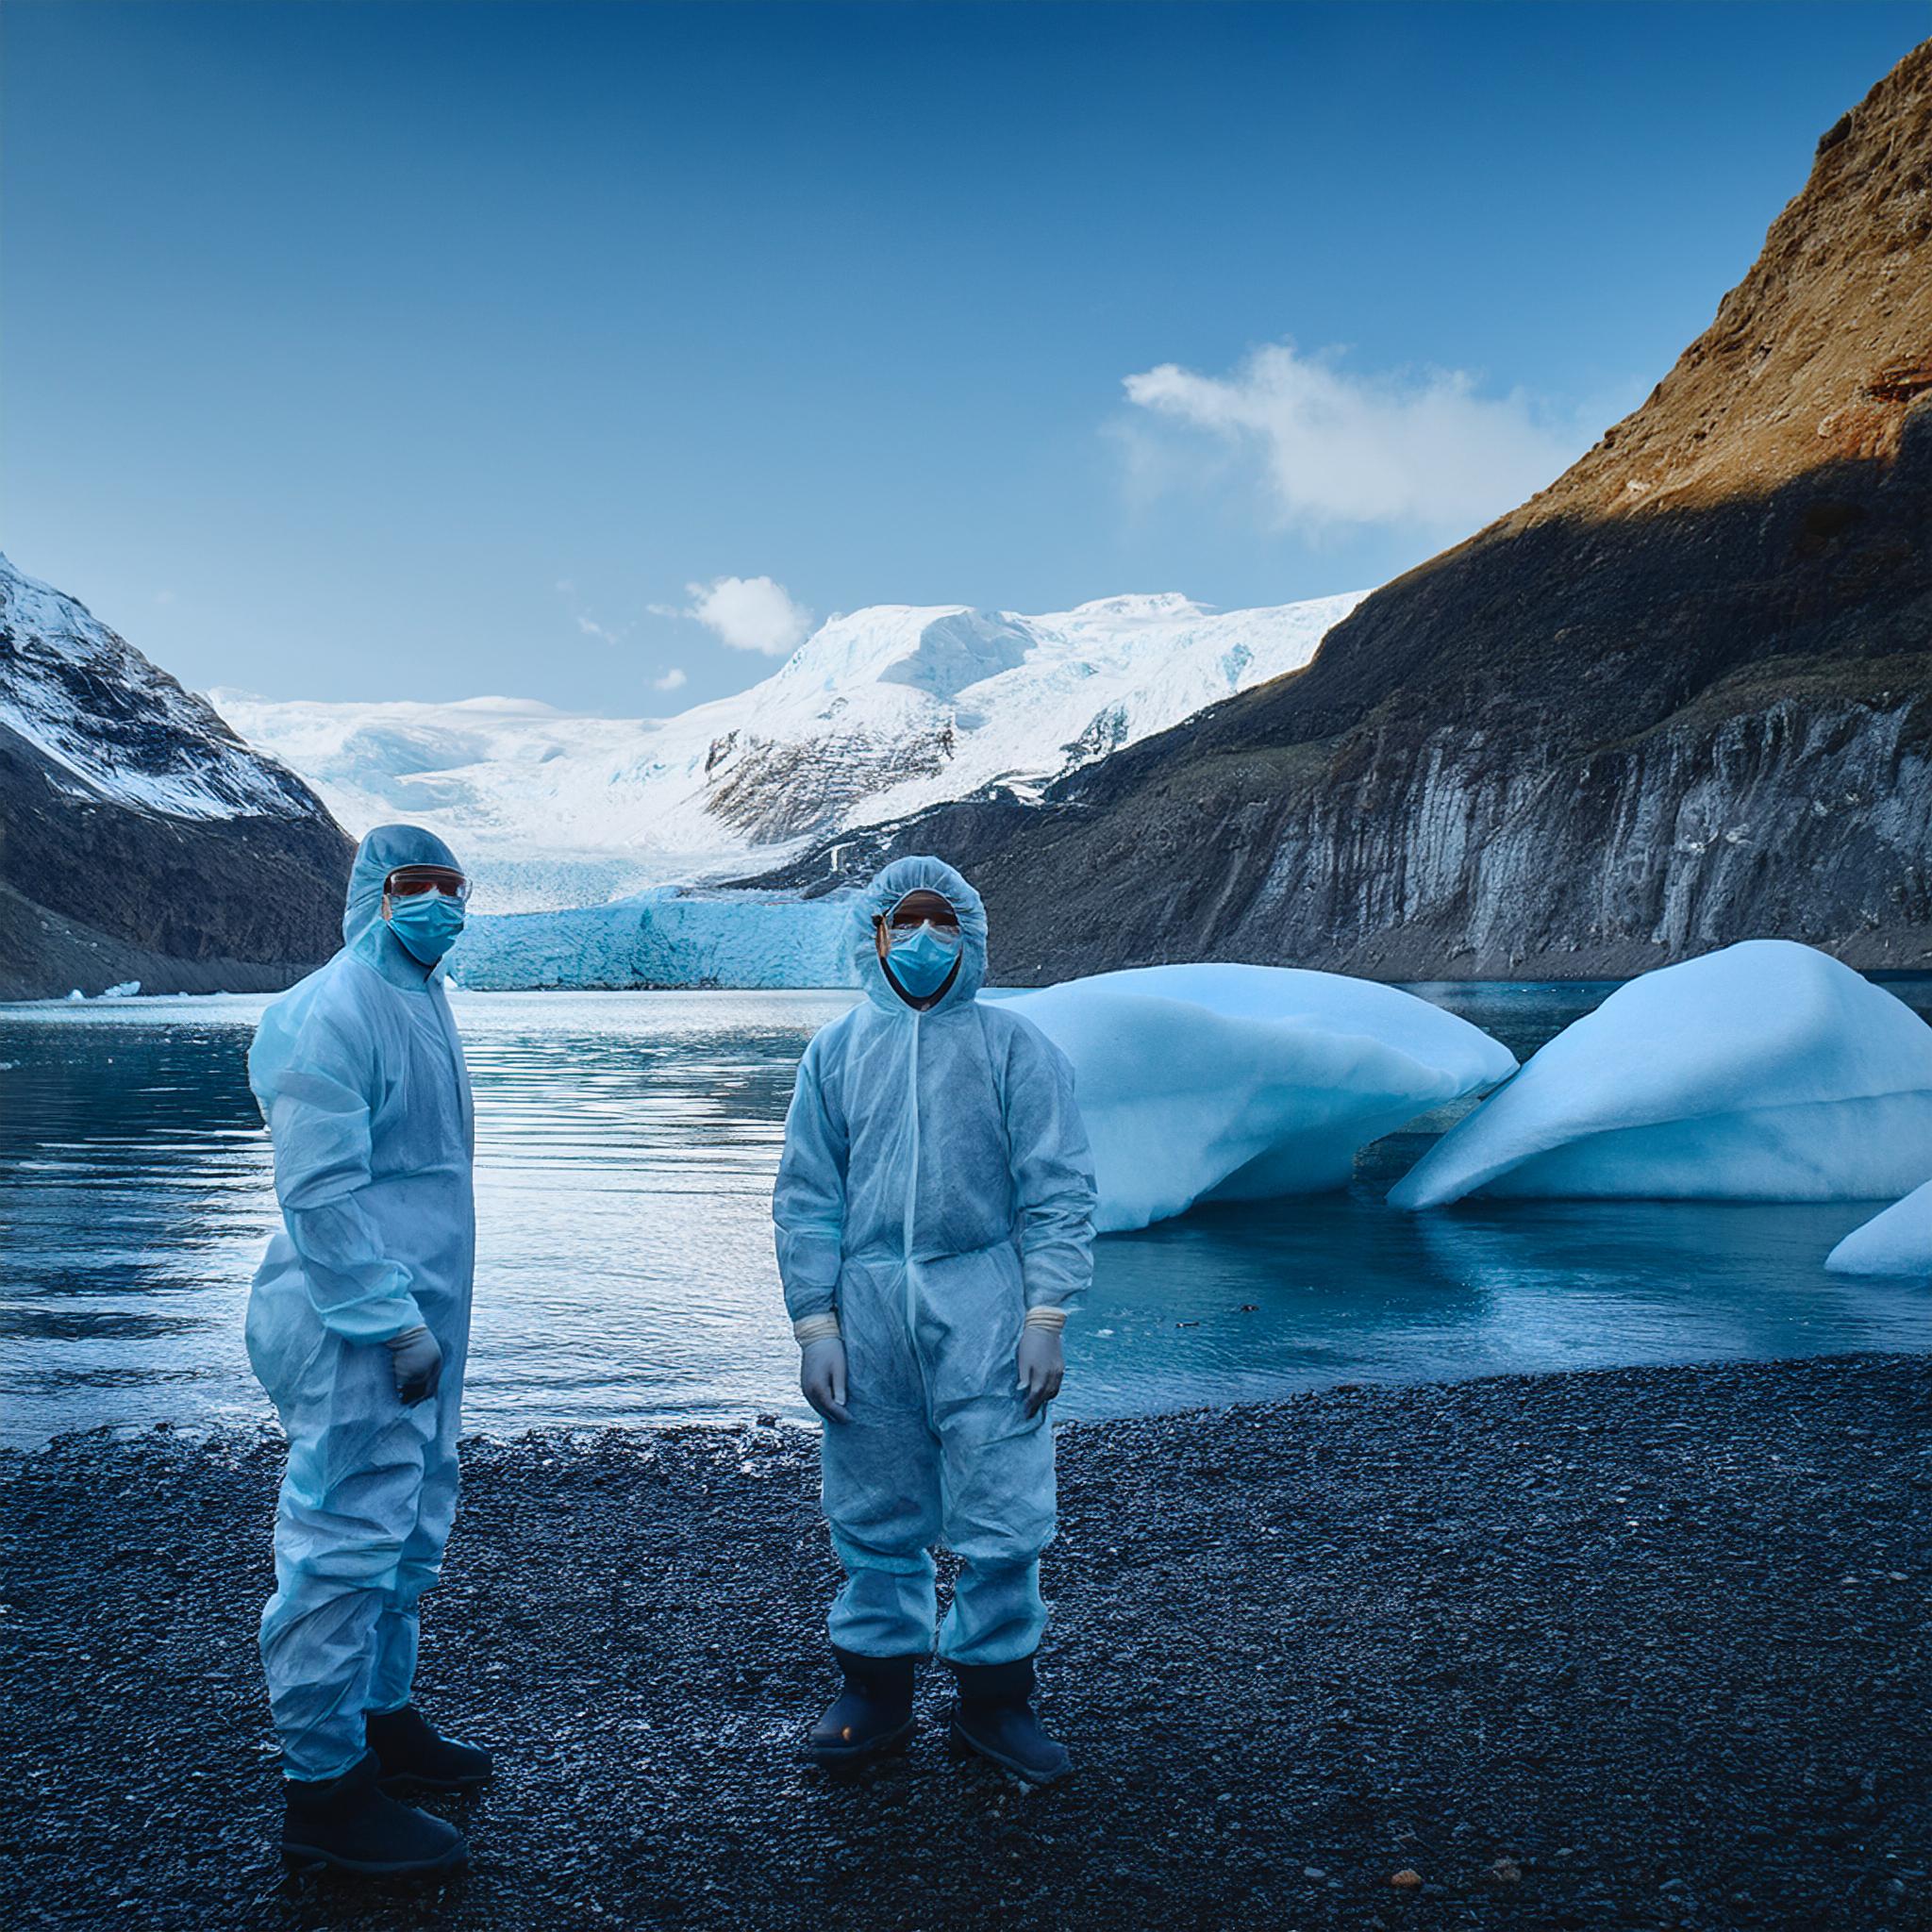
pixel 592 629
pixel 749 614
pixel 1335 448
pixel 673 680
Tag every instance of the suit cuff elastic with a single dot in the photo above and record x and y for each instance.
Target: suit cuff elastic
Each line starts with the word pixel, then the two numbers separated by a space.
pixel 1047 1316
pixel 815 1328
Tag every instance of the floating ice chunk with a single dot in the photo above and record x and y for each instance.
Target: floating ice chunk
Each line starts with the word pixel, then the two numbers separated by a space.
pixel 123 989
pixel 1898 1241
pixel 1236 1083
pixel 1766 1072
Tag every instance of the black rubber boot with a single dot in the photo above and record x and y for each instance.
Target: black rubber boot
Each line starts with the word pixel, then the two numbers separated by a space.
pixel 348 1821
pixel 413 1752
pixel 994 1720
pixel 872 1716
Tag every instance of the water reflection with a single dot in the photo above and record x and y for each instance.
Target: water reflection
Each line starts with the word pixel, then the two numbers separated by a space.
pixel 625 1148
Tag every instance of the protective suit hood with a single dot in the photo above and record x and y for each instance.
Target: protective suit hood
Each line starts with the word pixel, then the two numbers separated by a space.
pixel 381 851
pixel 919 875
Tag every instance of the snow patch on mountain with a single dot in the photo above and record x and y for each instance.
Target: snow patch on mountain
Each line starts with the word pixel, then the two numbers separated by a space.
pixel 878 715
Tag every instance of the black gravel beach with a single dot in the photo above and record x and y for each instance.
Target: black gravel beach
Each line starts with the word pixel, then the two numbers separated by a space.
pixel 1644 1647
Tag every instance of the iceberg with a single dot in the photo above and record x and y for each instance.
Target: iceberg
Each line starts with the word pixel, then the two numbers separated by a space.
pixel 1766 1072
pixel 1238 1083
pixel 1898 1241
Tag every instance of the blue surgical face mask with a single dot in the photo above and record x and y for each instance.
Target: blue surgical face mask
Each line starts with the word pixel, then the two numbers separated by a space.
pixel 427 925
pixel 922 958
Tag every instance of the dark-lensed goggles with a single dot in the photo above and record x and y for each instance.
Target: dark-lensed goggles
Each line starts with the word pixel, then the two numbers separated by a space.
pixel 921 909
pixel 410 881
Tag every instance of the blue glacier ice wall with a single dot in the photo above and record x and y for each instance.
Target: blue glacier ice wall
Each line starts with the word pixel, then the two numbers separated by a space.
pixel 664 938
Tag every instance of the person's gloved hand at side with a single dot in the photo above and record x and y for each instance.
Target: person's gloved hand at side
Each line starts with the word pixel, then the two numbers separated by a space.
pixel 418 1363
pixel 1043 1366
pixel 822 1366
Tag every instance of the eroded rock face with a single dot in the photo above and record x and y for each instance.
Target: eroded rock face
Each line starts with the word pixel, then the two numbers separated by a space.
pixel 1682 697
pixel 140 839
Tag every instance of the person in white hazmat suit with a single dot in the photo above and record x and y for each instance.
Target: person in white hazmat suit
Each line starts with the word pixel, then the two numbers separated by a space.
pixel 358 1325
pixel 934 1218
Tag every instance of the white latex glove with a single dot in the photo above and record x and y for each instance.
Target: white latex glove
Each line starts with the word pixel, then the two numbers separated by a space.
pixel 418 1362
pixel 1042 1366
pixel 821 1378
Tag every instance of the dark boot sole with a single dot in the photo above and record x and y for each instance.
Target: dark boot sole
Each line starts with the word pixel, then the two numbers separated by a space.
pixel 312 1858
pixel 960 1746
pixel 414 1781
pixel 854 1756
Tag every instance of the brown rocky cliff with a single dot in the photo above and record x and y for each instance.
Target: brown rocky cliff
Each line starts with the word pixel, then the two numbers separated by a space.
pixel 1816 357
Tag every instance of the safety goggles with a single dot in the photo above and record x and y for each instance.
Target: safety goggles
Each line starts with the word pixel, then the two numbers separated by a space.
pixel 923 909
pixel 411 881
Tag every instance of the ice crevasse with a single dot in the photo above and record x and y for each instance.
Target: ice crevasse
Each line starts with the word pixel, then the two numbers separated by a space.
pixel 1234 1083
pixel 1765 1071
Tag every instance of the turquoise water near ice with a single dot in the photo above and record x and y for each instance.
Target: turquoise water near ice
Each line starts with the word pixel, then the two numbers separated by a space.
pixel 626 1145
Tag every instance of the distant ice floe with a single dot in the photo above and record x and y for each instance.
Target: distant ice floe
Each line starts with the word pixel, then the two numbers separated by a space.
pixel 1898 1241
pixel 1766 1072
pixel 1238 1082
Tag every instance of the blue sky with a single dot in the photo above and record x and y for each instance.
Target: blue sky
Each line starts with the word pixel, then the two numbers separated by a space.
pixel 586 353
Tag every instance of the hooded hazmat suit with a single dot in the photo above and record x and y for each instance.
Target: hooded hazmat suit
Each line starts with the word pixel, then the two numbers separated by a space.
pixel 936 1184
pixel 360 1075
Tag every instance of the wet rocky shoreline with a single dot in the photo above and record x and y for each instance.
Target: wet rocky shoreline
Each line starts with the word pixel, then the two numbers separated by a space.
pixel 1641 1647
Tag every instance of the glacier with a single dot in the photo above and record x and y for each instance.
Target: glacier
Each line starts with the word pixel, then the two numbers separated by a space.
pixel 878 714
pixel 1897 1241
pixel 665 937
pixel 1763 1072
pixel 1235 1082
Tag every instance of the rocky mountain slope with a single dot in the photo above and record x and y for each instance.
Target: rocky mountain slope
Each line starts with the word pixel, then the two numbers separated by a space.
pixel 139 838
pixel 1682 697
pixel 876 715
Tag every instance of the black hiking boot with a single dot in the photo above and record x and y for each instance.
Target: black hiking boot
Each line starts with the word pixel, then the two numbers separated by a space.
pixel 349 1823
pixel 871 1717
pixel 413 1752
pixel 994 1720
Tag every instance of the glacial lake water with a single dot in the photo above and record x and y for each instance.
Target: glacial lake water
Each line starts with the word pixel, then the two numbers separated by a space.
pixel 625 1147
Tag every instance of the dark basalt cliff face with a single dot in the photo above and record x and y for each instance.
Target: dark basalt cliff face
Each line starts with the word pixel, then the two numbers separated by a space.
pixel 1682 697
pixel 140 838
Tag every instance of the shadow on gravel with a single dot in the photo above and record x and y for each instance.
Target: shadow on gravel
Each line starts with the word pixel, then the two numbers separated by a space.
pixel 1643 1648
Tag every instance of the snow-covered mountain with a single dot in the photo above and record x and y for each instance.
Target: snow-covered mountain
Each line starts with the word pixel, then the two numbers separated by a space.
pixel 876 715
pixel 140 839
pixel 117 727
